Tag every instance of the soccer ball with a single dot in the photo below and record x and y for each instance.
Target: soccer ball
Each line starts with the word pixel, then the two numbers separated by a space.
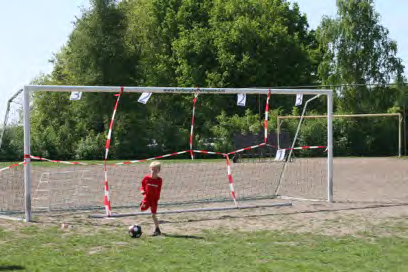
pixel 135 231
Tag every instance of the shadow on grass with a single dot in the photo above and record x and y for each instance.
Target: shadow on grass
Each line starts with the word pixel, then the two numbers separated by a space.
pixel 323 210
pixel 182 236
pixel 11 267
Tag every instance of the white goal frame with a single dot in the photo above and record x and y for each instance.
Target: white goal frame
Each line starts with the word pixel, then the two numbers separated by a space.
pixel 111 89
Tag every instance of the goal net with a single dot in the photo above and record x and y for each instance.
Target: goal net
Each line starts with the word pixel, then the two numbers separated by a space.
pixel 89 148
pixel 367 147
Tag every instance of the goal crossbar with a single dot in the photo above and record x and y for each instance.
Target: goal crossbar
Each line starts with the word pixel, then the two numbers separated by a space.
pixel 108 89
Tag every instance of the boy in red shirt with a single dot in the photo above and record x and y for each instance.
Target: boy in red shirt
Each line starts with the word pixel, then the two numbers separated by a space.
pixel 150 189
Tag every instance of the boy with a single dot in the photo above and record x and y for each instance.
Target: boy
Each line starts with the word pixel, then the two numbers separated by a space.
pixel 150 189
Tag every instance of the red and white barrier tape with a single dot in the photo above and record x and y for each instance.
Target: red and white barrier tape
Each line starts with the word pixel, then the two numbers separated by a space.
pixel 246 148
pixel 266 117
pixel 152 158
pixel 129 162
pixel 305 147
pixel 178 153
pixel 192 125
pixel 231 180
pixel 108 207
pixel 274 146
pixel 309 147
pixel 208 152
pixel 170 155
pixel 11 166
pixel 57 161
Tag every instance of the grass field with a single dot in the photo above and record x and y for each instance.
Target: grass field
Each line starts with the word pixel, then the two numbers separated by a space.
pixel 101 162
pixel 366 229
pixel 36 248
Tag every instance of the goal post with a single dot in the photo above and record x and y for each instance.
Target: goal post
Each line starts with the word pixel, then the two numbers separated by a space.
pixel 28 90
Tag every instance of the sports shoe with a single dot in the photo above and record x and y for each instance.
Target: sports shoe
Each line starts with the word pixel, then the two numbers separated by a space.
pixel 157 232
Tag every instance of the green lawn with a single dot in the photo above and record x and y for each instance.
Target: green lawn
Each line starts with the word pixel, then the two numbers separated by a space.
pixel 53 164
pixel 51 249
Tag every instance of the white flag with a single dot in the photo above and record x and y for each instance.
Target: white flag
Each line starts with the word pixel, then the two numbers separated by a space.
pixel 299 99
pixel 241 99
pixel 144 98
pixel 76 96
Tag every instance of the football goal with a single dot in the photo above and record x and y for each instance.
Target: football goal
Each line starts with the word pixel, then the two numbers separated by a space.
pixel 88 148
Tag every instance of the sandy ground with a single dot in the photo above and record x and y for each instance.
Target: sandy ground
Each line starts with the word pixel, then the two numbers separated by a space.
pixel 368 193
pixel 335 219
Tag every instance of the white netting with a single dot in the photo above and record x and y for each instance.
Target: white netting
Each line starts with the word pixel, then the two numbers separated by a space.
pixel 256 173
pixel 11 150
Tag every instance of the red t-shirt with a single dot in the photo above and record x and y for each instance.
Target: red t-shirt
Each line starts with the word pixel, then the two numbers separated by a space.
pixel 152 187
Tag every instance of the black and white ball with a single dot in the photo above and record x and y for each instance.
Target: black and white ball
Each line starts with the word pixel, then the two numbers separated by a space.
pixel 135 231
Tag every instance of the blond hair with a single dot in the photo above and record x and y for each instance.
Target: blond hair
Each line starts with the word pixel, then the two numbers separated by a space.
pixel 156 165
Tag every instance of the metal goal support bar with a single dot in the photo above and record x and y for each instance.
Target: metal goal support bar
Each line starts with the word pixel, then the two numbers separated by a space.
pixel 193 210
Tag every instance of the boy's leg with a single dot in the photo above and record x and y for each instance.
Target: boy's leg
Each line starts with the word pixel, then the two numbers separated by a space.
pixel 157 230
pixel 144 205
pixel 155 220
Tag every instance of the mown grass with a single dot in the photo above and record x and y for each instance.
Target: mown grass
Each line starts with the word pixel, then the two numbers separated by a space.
pixel 52 249
pixel 100 162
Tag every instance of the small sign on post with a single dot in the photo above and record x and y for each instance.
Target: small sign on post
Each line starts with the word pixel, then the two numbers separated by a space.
pixel 299 99
pixel 280 155
pixel 76 96
pixel 241 99
pixel 144 98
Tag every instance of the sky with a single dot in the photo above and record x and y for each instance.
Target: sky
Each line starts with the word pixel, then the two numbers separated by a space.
pixel 32 31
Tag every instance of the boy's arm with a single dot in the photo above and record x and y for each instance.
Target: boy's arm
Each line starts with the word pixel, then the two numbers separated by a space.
pixel 160 186
pixel 143 186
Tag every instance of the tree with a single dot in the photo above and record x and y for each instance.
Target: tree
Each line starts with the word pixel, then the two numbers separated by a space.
pixel 357 50
pixel 229 43
pixel 194 43
pixel 96 54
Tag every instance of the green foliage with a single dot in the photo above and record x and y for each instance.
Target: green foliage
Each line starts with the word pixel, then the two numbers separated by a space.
pixel 12 145
pixel 227 126
pixel 91 147
pixel 97 52
pixel 169 43
pixel 210 43
pixel 357 50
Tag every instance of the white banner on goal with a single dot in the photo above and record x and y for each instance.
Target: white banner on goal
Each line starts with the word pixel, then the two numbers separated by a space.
pixel 299 99
pixel 75 96
pixel 280 155
pixel 241 99
pixel 144 98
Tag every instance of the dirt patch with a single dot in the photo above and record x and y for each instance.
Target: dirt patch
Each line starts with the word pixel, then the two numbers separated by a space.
pixel 334 219
pixel 368 192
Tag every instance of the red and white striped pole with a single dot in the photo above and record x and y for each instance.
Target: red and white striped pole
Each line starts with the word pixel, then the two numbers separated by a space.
pixel 192 126
pixel 230 180
pixel 266 117
pixel 108 207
